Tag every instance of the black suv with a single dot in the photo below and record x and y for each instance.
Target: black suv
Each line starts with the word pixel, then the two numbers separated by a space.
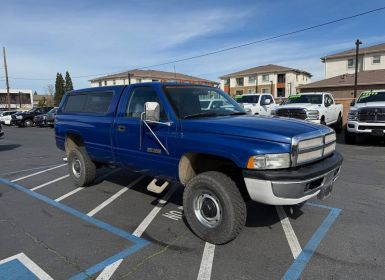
pixel 26 118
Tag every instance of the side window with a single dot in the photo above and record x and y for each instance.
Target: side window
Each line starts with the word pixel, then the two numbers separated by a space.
pixel 75 103
pixel 139 96
pixel 98 102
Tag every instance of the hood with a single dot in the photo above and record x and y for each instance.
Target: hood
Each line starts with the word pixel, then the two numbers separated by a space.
pixel 369 104
pixel 308 106
pixel 266 128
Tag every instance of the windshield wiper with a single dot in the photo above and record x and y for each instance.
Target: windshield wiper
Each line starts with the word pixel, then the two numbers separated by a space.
pixel 237 113
pixel 200 115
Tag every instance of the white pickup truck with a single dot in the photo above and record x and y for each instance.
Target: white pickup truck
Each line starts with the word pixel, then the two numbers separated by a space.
pixel 258 103
pixel 366 116
pixel 317 107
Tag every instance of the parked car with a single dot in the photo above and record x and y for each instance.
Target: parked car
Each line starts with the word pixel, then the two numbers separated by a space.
pixel 45 119
pixel 26 118
pixel 5 117
pixel 366 116
pixel 258 103
pixel 223 157
pixel 317 107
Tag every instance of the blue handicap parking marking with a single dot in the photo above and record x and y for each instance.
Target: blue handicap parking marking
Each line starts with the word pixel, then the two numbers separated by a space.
pixel 138 243
pixel 296 269
pixel 16 270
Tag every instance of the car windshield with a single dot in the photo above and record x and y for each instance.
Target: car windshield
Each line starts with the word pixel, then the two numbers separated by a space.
pixel 305 98
pixel 249 99
pixel 52 111
pixel 371 97
pixel 199 102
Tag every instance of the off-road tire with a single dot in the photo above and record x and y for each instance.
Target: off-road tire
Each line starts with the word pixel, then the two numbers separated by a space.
pixel 233 207
pixel 350 138
pixel 87 172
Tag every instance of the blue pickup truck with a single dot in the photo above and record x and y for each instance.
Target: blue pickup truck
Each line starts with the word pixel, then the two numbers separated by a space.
pixel 221 156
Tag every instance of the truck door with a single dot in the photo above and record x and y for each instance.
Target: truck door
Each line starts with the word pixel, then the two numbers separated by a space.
pixel 330 114
pixel 135 145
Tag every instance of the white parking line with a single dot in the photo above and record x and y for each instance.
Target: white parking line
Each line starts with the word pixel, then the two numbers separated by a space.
pixel 110 270
pixel 37 173
pixel 207 262
pixel 295 247
pixel 50 182
pixel 112 198
pixel 68 194
pixel 101 178
pixel 25 170
pixel 28 263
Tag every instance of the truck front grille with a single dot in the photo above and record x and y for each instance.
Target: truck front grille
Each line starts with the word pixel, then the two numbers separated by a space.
pixel 312 147
pixel 371 114
pixel 292 113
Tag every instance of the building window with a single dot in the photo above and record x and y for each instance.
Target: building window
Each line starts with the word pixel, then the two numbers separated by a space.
pixel 376 59
pixel 100 83
pixel 138 80
pixel 252 79
pixel 239 82
pixel 265 90
pixel 105 83
pixel 351 63
pixel 250 90
pixel 265 77
pixel 155 80
pixel 113 82
pixel 238 92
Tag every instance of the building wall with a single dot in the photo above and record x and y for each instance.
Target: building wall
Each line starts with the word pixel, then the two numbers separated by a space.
pixel 339 66
pixel 344 92
pixel 368 62
pixel 26 98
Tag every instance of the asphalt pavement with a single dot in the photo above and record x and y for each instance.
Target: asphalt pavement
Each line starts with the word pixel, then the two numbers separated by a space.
pixel 116 229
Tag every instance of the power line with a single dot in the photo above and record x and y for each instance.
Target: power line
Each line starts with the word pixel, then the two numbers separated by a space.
pixel 229 48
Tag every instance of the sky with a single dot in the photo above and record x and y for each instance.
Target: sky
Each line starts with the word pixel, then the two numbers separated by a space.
pixel 94 38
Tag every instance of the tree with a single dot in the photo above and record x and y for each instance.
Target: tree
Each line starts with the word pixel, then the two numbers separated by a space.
pixel 68 82
pixel 50 89
pixel 35 93
pixel 59 88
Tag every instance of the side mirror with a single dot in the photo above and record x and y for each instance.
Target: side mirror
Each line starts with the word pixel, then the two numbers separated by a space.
pixel 353 102
pixel 267 102
pixel 152 111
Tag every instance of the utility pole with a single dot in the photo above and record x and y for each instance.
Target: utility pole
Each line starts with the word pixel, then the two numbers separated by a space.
pixel 6 80
pixel 358 43
pixel 129 78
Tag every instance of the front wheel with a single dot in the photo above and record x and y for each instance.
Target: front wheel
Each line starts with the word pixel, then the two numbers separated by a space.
pixel 350 137
pixel 214 207
pixel 28 123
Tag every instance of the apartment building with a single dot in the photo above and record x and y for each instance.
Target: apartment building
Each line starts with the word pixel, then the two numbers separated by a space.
pixel 369 58
pixel 278 80
pixel 141 76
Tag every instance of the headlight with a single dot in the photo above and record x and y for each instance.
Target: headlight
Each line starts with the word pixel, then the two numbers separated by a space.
pixel 273 112
pixel 353 115
pixel 312 114
pixel 269 161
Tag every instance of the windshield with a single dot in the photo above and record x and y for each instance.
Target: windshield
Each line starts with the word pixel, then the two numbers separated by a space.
pixel 249 99
pixel 52 111
pixel 305 98
pixel 196 101
pixel 371 97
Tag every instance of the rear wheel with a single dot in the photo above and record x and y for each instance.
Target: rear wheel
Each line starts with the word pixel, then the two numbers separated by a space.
pixel 214 207
pixel 350 137
pixel 81 168
pixel 338 125
pixel 28 123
